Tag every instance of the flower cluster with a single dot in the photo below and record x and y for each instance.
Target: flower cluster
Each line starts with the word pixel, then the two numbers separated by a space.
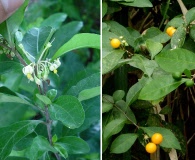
pixel 39 71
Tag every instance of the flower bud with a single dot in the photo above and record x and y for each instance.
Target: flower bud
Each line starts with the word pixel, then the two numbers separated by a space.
pixel 37 81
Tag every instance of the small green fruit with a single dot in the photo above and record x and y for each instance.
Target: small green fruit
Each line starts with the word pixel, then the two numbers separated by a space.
pixel 189 83
pixel 177 75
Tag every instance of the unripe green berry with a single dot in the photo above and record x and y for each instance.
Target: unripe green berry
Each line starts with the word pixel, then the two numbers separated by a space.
pixel 189 83
pixel 177 75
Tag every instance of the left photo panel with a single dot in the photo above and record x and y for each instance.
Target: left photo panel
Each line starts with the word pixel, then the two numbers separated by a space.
pixel 50 80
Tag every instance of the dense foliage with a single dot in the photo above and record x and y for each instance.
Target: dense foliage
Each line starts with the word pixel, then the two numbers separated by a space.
pixel 50 81
pixel 148 81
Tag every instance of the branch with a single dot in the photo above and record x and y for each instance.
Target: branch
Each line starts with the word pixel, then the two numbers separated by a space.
pixel 183 7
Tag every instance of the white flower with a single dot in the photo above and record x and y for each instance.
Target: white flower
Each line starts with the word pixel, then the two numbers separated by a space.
pixel 28 70
pixel 57 62
pixel 29 76
pixel 53 67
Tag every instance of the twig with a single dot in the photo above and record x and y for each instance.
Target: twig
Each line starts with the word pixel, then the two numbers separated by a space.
pixel 144 21
pixel 190 138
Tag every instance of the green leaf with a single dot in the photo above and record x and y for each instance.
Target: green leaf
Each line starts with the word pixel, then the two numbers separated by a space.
pixel 82 40
pixel 169 139
pixel 187 73
pixel 141 104
pixel 51 94
pixel 8 66
pixel 89 93
pixel 110 61
pixel 44 99
pixel 178 38
pixel 16 158
pixel 113 127
pixel 64 34
pixel 55 20
pixel 81 82
pixel 12 112
pixel 122 0
pixel 156 35
pixel 138 3
pixel 176 60
pixel 175 22
pixel 159 87
pixel 118 95
pixel 54 138
pixel 68 110
pixel 123 143
pixel 190 16
pixel 106 107
pixel 166 110
pixel 9 27
pixel 192 32
pixel 63 152
pixel 104 8
pixel 12 134
pixel 107 103
pixel 5 98
pixel 134 91
pixel 153 47
pixel 144 64
pixel 36 39
pixel 39 146
pixel 74 145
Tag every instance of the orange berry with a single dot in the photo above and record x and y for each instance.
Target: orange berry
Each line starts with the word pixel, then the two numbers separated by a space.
pixel 157 138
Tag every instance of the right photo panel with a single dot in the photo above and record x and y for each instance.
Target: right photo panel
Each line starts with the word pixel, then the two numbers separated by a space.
pixel 148 73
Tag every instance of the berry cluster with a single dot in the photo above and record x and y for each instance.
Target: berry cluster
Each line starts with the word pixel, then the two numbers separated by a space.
pixel 156 139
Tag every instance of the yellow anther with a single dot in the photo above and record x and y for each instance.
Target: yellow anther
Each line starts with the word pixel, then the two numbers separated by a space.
pixel 29 76
pixel 55 71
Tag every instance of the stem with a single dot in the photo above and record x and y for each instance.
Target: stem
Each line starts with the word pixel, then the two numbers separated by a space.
pixel 48 124
pixel 15 52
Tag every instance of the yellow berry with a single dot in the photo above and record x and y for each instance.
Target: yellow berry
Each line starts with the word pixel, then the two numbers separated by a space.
pixel 115 43
pixel 170 31
pixel 157 138
pixel 151 147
